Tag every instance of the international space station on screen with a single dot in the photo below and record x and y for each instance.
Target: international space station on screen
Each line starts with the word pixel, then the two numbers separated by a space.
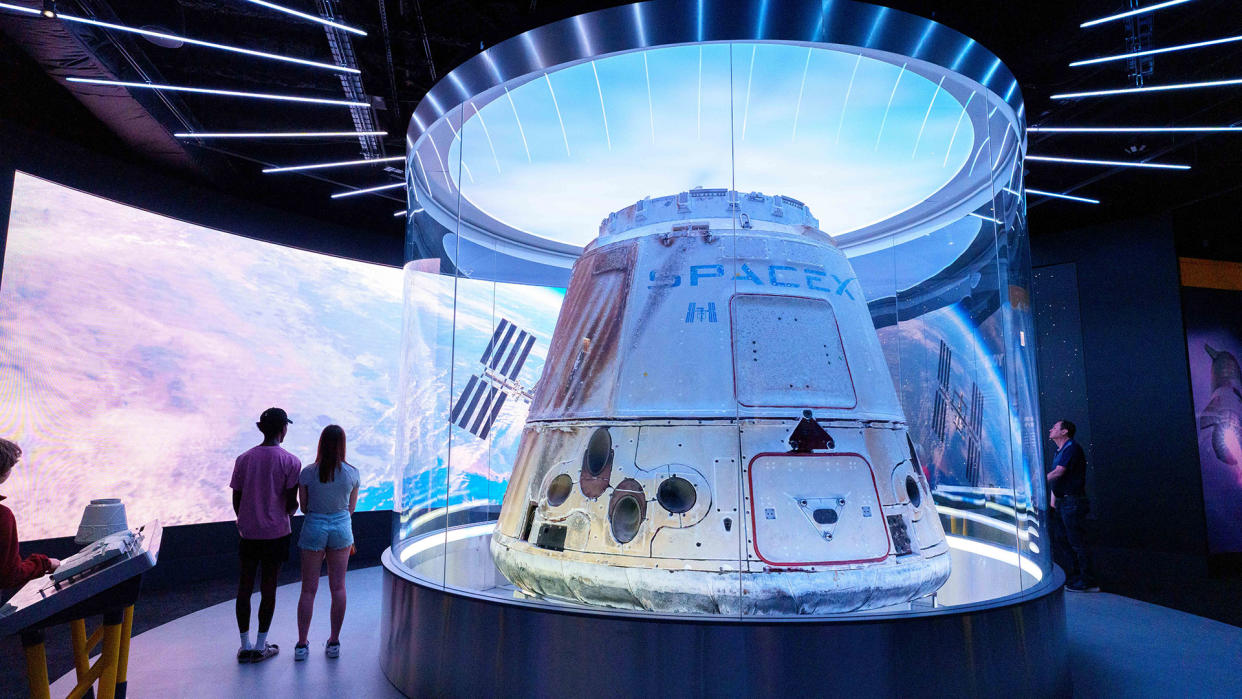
pixel 716 429
pixel 478 405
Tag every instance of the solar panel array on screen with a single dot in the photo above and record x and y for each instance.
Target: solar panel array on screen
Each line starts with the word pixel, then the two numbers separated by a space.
pixel 479 404
pixel 967 419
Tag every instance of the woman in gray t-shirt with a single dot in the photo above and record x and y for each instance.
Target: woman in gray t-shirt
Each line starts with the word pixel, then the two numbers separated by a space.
pixel 328 493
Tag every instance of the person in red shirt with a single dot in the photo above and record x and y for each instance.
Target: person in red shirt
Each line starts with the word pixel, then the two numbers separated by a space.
pixel 16 571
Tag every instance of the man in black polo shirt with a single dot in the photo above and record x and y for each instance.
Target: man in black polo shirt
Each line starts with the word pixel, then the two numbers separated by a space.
pixel 1067 482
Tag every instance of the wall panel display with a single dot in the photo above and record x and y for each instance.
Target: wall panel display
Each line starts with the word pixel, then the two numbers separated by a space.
pixel 137 351
pixel 1212 312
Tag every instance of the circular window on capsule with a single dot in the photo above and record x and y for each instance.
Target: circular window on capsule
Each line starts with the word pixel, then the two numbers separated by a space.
pixel 559 490
pixel 627 510
pixel 598 452
pixel 912 490
pixel 677 495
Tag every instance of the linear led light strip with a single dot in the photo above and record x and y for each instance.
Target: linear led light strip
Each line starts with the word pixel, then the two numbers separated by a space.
pixel 342 163
pixel 1148 88
pixel 279 134
pixel 212 91
pixel 312 18
pixel 19 8
pixel 1131 13
pixel 1119 163
pixel 368 190
pixel 1054 195
pixel 1152 52
pixel 208 44
pixel 1135 129
pixel 404 212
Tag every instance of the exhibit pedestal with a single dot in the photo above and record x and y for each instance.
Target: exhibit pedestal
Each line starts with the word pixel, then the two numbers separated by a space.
pixel 447 642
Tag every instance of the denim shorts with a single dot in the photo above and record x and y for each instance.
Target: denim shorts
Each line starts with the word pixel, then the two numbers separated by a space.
pixel 320 531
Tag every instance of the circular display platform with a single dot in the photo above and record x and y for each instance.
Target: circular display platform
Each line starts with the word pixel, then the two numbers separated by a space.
pixel 439 640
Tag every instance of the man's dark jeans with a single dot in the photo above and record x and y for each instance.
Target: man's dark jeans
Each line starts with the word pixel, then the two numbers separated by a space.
pixel 1069 532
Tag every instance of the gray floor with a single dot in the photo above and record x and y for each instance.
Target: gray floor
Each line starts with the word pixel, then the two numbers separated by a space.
pixel 1119 647
pixel 195 656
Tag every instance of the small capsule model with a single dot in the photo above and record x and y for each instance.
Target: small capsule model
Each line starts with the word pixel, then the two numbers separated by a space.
pixel 716 429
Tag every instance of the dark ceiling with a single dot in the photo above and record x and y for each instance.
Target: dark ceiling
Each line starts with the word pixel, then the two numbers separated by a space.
pixel 410 44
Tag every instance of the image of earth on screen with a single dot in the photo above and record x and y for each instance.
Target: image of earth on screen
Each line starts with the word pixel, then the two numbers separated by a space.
pixel 137 351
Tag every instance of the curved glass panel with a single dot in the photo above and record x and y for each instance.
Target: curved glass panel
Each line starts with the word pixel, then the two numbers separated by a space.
pixel 791 372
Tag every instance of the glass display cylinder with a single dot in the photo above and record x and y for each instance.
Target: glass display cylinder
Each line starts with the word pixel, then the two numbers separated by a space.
pixel 722 322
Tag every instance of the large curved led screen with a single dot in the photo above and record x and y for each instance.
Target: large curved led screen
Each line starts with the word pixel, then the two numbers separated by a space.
pixel 137 351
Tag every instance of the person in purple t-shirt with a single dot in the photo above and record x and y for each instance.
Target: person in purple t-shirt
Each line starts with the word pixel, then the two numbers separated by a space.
pixel 265 495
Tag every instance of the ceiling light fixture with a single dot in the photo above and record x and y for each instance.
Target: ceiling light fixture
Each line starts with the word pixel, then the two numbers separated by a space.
pixel 353 192
pixel 1119 163
pixel 1055 195
pixel 1131 13
pixel 18 8
pixel 279 134
pixel 1148 88
pixel 1152 52
pixel 49 9
pixel 212 91
pixel 208 44
pixel 312 18
pixel 342 163
pixel 1134 129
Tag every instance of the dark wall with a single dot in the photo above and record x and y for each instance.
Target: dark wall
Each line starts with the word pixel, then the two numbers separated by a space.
pixel 1133 392
pixel 1145 464
pixel 196 552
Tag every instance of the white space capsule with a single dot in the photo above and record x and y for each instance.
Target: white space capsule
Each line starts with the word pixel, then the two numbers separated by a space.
pixel 668 462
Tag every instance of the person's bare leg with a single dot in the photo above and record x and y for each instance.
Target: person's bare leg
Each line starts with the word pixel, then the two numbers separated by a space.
pixel 338 562
pixel 312 561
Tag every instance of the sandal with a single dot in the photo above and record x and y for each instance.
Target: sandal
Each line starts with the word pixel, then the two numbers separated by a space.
pixel 332 650
pixel 301 651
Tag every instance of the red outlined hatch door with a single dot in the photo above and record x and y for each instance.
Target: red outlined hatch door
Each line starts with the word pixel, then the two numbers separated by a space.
pixel 816 509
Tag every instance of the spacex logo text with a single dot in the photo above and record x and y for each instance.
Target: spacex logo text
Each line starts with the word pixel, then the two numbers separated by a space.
pixel 783 276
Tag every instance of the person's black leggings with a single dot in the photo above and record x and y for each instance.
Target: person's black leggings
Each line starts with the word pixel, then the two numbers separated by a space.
pixel 269 573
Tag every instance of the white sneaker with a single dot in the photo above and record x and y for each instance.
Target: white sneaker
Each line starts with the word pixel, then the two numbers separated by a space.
pixel 301 652
pixel 332 650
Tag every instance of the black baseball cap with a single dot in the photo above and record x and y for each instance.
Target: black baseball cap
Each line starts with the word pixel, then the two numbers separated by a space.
pixel 275 417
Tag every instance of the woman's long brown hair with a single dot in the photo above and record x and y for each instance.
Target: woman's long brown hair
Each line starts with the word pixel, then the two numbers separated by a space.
pixel 331 452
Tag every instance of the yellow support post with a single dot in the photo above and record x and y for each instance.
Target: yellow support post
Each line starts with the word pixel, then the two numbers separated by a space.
pixel 122 661
pixel 111 653
pixel 81 652
pixel 36 665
